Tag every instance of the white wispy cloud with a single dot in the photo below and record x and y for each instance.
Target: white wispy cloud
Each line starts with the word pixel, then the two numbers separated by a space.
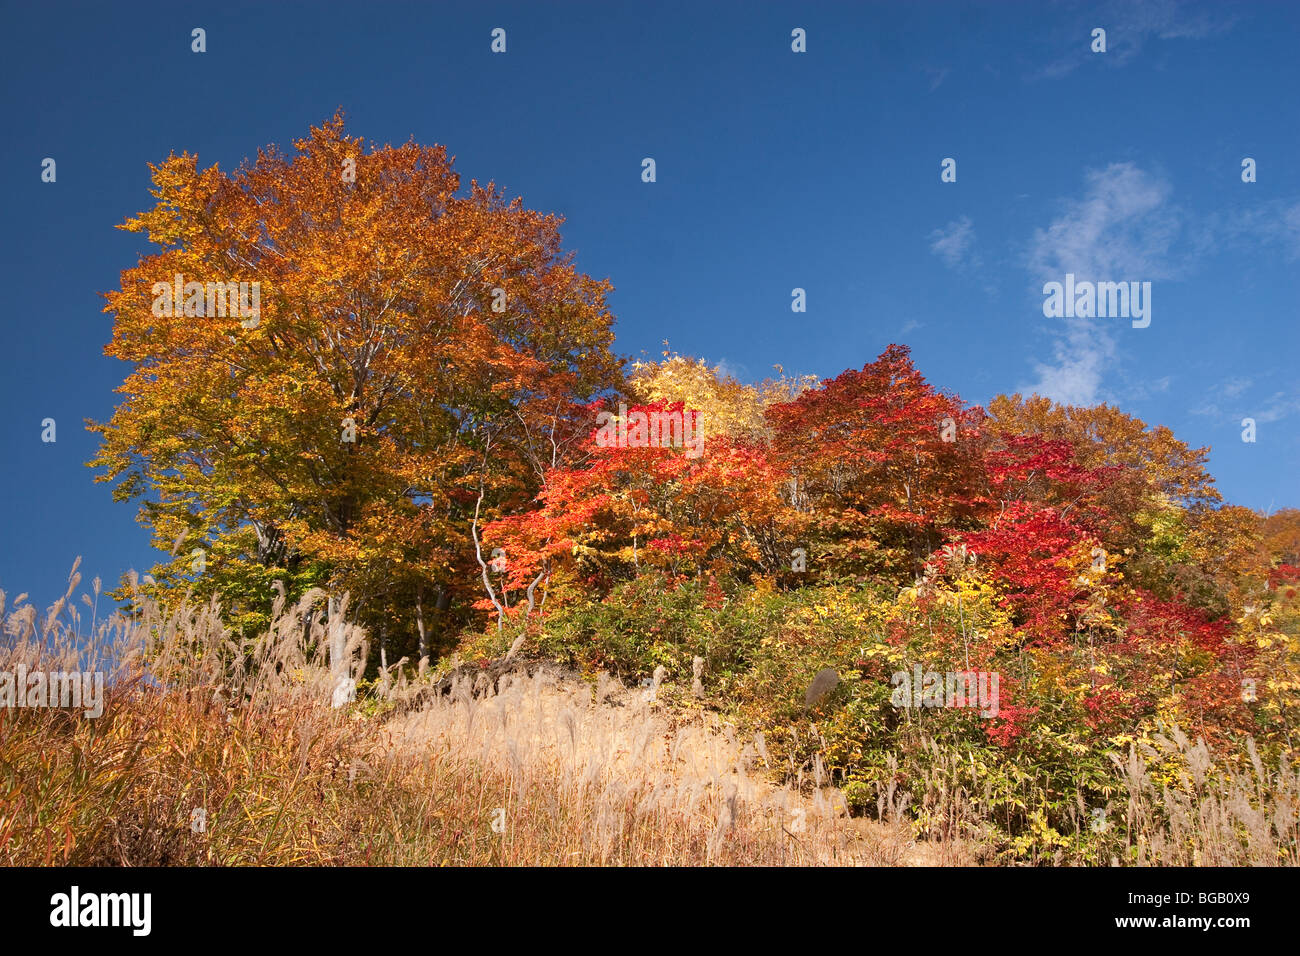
pixel 1145 388
pixel 1228 402
pixel 1278 406
pixel 955 244
pixel 1131 26
pixel 937 76
pixel 729 369
pixel 1124 228
pixel 1078 365
pixel 1235 386
pixel 1270 222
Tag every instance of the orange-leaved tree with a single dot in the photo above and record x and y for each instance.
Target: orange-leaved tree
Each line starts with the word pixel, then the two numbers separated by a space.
pixel 403 354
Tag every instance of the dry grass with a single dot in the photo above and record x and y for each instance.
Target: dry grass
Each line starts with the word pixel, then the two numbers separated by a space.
pixel 244 732
pixel 608 776
pixel 1206 815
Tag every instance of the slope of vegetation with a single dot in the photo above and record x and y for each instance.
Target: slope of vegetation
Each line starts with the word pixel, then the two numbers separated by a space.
pixel 419 425
pixel 218 750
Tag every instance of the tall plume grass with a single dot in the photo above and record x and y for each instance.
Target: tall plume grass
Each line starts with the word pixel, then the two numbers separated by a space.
pixel 214 749
pixel 217 749
pixel 608 777
pixel 1200 814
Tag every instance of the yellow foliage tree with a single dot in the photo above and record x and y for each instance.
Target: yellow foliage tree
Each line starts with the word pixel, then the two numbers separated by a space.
pixel 726 406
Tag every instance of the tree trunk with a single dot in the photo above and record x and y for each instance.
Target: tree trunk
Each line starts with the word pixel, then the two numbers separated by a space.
pixel 419 624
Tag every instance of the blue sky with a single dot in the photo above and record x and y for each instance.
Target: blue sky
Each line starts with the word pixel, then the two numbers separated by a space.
pixel 775 170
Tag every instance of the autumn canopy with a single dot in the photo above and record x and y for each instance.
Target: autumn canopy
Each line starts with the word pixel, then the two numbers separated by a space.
pixel 421 413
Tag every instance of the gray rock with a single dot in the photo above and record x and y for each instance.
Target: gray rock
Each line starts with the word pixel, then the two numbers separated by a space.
pixel 825 682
